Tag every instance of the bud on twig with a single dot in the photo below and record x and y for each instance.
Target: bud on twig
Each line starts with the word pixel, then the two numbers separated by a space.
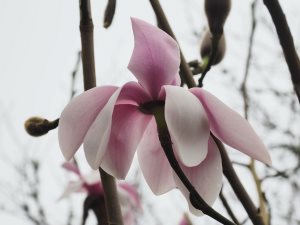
pixel 217 12
pixel 206 48
pixel 109 13
pixel 37 126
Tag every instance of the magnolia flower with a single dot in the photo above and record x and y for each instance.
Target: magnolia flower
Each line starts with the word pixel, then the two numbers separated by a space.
pixel 185 220
pixel 91 184
pixel 112 124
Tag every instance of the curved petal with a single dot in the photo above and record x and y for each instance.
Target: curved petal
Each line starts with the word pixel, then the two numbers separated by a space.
pixel 206 177
pixel 78 116
pixel 132 193
pixel 133 94
pixel 72 187
pixel 188 125
pixel 153 162
pixel 155 59
pixel 128 126
pixel 70 166
pixel 92 177
pixel 97 137
pixel 231 128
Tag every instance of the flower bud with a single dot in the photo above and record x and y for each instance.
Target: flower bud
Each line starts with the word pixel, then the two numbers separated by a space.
pixel 206 48
pixel 37 126
pixel 216 13
pixel 109 13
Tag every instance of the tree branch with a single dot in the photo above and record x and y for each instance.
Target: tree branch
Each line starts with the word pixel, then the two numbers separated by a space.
pixel 227 166
pixel 165 140
pixel 286 42
pixel 237 186
pixel 228 209
pixel 113 209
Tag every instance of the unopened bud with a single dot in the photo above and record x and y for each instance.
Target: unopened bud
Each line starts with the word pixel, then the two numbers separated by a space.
pixel 206 48
pixel 109 13
pixel 37 126
pixel 217 12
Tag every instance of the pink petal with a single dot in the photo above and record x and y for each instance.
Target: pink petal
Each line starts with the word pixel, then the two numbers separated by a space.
pixel 92 177
pixel 97 137
pixel 132 193
pixel 72 187
pixel 77 117
pixel 185 220
pixel 94 189
pixel 134 94
pixel 128 126
pixel 129 217
pixel 155 59
pixel 188 125
pixel 70 166
pixel 206 177
pixel 231 128
pixel 153 162
pixel 176 81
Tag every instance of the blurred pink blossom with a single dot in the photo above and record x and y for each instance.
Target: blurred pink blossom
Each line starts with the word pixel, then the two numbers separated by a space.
pixel 91 184
pixel 185 220
pixel 111 125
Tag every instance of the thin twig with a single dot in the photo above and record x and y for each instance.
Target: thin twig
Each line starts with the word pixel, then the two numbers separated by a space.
pixel 286 42
pixel 74 74
pixel 228 208
pixel 262 204
pixel 215 44
pixel 113 209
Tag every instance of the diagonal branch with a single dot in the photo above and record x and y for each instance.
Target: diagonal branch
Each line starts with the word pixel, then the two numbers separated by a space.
pixel 237 186
pixel 286 42
pixel 227 165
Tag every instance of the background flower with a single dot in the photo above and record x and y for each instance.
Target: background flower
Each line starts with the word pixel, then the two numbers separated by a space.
pixel 91 184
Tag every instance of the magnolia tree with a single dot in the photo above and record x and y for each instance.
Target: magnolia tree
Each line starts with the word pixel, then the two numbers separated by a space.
pixel 176 127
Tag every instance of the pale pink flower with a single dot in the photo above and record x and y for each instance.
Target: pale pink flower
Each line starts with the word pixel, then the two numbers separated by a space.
pixel 109 123
pixel 91 184
pixel 185 220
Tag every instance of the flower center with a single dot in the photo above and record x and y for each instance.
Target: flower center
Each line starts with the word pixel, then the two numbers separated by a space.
pixel 151 107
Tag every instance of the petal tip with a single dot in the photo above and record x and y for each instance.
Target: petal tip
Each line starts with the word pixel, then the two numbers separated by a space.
pixel 268 160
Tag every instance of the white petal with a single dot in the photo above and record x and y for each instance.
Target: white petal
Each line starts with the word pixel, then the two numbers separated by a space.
pixel 188 125
pixel 231 128
pixel 206 178
pixel 153 162
pixel 97 137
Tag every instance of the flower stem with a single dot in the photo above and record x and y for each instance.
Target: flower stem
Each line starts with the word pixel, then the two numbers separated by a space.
pixel 215 44
pixel 113 210
pixel 166 143
pixel 227 165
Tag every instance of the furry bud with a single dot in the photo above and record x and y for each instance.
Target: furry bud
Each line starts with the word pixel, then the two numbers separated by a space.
pixel 37 126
